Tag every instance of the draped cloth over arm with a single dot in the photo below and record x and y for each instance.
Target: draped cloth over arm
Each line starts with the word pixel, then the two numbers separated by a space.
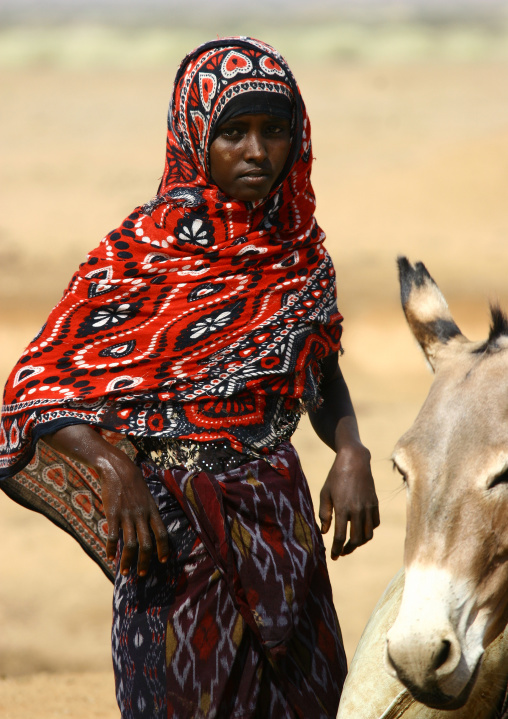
pixel 200 316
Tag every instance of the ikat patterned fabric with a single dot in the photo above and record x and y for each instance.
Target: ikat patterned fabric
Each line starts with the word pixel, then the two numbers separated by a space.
pixel 240 622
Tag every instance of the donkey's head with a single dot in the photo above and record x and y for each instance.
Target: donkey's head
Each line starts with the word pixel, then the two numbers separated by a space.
pixel 454 461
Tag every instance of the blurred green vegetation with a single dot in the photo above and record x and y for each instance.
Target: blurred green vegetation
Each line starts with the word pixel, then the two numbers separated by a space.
pixel 105 46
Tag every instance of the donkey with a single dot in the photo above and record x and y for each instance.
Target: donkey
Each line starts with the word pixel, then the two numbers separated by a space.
pixel 447 651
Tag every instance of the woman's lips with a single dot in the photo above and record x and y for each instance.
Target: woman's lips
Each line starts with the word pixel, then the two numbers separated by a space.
pixel 255 178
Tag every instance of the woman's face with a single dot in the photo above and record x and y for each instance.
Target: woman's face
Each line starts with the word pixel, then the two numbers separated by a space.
pixel 248 154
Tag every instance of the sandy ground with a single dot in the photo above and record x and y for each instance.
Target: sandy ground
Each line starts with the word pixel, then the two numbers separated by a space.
pixel 410 159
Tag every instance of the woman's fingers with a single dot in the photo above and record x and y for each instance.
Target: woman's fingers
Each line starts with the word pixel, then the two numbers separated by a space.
pixel 113 535
pixel 145 546
pixel 325 510
pixel 130 507
pixel 361 529
pixel 368 527
pixel 138 544
pixel 161 536
pixel 130 546
pixel 356 533
pixel 145 540
pixel 341 521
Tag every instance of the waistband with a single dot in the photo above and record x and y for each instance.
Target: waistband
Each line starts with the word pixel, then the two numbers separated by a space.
pixel 168 452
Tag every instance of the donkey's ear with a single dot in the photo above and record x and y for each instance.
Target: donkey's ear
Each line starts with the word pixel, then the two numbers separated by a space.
pixel 426 310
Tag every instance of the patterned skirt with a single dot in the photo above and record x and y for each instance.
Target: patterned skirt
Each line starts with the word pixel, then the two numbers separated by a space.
pixel 240 622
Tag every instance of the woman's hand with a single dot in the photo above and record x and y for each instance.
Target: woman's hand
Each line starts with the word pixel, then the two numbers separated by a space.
pixel 128 503
pixel 129 506
pixel 349 492
pixel 349 488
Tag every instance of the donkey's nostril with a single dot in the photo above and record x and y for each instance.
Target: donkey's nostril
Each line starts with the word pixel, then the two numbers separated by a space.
pixel 442 654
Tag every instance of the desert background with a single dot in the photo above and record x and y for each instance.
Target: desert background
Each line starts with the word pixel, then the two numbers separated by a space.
pixel 409 112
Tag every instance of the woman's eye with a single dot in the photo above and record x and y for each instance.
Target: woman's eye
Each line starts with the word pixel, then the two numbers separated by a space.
pixel 230 132
pixel 275 130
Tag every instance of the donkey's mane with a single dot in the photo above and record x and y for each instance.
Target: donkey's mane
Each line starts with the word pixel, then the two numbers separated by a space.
pixel 498 328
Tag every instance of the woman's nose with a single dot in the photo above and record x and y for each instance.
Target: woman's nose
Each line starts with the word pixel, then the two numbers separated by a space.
pixel 255 149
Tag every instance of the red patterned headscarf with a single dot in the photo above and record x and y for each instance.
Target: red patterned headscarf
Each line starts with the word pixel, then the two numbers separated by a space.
pixel 198 306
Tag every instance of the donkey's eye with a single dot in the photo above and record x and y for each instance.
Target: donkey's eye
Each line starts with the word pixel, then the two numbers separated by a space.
pixel 400 471
pixel 501 478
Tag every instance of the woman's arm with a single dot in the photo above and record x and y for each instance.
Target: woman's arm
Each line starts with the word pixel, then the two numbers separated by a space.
pixel 349 488
pixel 127 501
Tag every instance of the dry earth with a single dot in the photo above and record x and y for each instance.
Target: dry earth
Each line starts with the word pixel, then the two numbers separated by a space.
pixel 410 159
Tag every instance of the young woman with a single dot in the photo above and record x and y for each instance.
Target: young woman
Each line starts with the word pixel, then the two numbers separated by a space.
pixel 166 385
